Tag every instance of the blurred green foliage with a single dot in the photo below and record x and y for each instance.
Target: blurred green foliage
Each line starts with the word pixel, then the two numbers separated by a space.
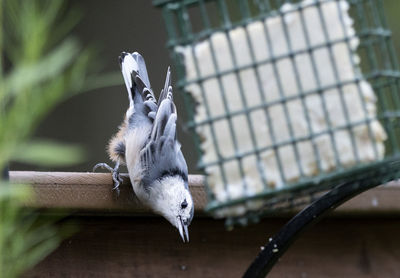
pixel 41 152
pixel 26 236
pixel 41 70
pixel 41 64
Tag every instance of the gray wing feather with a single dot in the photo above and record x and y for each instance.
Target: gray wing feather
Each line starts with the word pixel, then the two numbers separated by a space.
pixel 162 154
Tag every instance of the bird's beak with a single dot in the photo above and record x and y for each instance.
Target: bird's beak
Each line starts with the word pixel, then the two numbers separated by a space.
pixel 183 230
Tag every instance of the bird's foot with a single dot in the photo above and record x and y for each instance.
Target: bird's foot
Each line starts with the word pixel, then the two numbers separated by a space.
pixel 115 174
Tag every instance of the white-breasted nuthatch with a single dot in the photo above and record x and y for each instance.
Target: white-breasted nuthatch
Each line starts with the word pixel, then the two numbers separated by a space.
pixel 146 142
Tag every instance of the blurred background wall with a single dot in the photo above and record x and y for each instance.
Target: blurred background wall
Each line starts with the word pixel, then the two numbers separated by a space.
pixel 91 118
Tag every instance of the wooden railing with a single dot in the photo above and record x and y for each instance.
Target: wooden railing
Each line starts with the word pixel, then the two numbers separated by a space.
pixel 93 192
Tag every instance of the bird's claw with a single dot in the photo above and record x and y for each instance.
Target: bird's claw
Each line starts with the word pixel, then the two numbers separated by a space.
pixel 104 166
pixel 117 181
pixel 115 174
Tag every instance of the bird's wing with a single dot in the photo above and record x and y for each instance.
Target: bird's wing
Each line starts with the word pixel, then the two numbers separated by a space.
pixel 162 154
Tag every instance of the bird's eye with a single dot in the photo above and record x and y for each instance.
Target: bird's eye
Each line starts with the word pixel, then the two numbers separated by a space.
pixel 184 204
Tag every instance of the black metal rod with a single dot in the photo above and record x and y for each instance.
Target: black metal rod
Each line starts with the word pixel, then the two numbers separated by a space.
pixel 278 245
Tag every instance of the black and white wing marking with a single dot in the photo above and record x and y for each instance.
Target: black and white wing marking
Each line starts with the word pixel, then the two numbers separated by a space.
pixel 162 156
pixel 141 79
pixel 137 82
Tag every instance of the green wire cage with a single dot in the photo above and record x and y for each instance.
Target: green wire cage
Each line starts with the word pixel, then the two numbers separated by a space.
pixel 287 98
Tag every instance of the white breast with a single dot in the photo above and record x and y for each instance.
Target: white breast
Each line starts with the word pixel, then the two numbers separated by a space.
pixel 135 141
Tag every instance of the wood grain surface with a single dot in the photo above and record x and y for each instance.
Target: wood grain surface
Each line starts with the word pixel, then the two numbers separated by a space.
pixel 93 192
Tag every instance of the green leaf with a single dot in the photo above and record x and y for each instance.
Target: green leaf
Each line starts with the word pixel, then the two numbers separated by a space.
pixel 48 153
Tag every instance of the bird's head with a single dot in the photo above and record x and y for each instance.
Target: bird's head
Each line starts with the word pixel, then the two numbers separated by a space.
pixel 172 199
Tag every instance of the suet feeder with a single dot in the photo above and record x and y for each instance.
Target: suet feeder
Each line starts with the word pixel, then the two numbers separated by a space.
pixel 288 98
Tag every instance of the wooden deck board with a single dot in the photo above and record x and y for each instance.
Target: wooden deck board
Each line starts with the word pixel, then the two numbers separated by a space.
pixel 92 192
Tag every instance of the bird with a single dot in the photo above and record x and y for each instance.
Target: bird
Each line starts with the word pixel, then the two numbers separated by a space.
pixel 147 144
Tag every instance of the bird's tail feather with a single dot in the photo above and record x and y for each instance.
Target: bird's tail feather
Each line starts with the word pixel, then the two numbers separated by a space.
pixel 165 119
pixel 166 92
pixel 136 78
pixel 142 70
